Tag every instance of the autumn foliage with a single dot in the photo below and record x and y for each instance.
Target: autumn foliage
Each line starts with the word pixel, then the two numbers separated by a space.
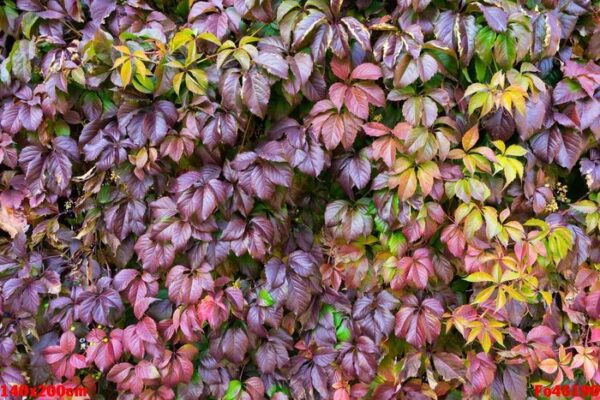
pixel 300 199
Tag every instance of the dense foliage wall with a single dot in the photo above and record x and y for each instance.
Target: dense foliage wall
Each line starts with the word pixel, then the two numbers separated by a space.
pixel 249 199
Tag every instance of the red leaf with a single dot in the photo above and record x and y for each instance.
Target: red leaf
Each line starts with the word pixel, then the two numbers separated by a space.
pixel 366 71
pixel 414 270
pixel 62 358
pixel 341 67
pixel 481 371
pixel 256 92
pixel 455 239
pixel 102 350
pixel 419 322
pixel 357 102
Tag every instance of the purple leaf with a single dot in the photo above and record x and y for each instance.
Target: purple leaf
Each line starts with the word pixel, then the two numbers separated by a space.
pixel 496 18
pixel 566 91
pixel 256 91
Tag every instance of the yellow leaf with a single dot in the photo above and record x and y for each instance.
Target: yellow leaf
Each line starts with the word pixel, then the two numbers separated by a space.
pixel 498 79
pixel 175 64
pixel 473 223
pixel 401 164
pixel 492 226
pixel 473 334
pixel 500 300
pixel 192 85
pixel 200 77
pixel 486 342
pixel 408 184
pixel 479 277
pixel 478 100
pixel 248 39
pixel 506 100
pixel 243 58
pixel 547 296
pixel 470 138
pixel 517 166
pixel 514 150
pixel 484 295
pixel 140 68
pixel 482 163
pixel 141 55
pixel 470 163
pixel 487 106
pixel 509 276
pixel 497 335
pixel 222 57
pixel 227 45
pixel 181 38
pixel 209 37
pixel 495 324
pixel 462 211
pixel 191 54
pixel 497 272
pixel 499 145
pixel 120 61
pixel 475 88
pixel 177 79
pixel 126 73
pixel 514 294
pixel 78 75
pixel 456 154
pixel 520 105
pixel 509 173
pixel 123 49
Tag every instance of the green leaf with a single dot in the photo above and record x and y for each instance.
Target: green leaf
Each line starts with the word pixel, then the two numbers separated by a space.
pixel 342 334
pixel 143 84
pixel 337 317
pixel 61 128
pixel 484 41
pixel 396 240
pixel 104 194
pixel 27 23
pixel 481 69
pixel 505 50
pixel 234 388
pixel 267 299
pixel 21 55
pixel 445 56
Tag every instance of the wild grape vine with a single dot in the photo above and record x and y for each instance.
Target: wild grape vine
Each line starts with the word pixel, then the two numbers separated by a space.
pixel 300 199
